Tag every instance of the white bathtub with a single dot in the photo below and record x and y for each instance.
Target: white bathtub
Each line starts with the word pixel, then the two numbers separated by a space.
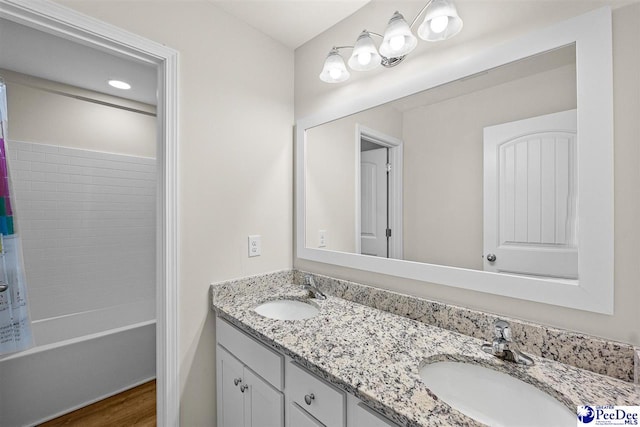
pixel 78 359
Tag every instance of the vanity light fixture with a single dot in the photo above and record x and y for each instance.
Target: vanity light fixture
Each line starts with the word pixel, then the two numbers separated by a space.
pixel 334 70
pixel 119 84
pixel 441 22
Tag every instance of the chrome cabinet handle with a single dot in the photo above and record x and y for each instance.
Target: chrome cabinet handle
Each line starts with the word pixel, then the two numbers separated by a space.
pixel 308 398
pixel 243 387
pixel 491 258
pixel 3 286
pixel 237 381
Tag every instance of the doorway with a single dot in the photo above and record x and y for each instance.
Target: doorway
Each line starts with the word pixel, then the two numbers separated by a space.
pixel 62 22
pixel 379 194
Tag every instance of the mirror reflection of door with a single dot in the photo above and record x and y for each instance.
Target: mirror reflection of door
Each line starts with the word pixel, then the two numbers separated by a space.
pixel 374 193
pixel 379 191
pixel 531 196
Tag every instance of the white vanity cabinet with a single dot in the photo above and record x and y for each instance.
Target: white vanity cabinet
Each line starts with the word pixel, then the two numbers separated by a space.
pixel 315 397
pixel 296 416
pixel 360 415
pixel 254 382
pixel 230 378
pixel 249 381
pixel 245 399
pixel 311 402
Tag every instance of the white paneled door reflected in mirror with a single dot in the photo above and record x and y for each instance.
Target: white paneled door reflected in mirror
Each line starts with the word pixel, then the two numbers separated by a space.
pixel 483 182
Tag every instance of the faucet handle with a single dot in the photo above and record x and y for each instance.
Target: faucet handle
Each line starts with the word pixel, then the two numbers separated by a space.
pixel 506 333
pixel 502 330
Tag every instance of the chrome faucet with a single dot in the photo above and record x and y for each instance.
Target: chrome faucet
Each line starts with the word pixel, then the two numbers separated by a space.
pixel 503 346
pixel 310 285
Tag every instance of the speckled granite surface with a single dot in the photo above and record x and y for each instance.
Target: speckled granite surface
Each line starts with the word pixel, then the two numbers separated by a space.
pixel 636 375
pixel 587 352
pixel 376 355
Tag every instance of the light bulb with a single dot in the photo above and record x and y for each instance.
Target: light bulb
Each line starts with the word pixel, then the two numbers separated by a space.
pixel 439 24
pixel 334 69
pixel 396 42
pixel 398 39
pixel 364 58
pixel 441 21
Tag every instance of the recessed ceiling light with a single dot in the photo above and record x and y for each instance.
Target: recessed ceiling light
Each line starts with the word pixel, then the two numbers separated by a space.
pixel 118 84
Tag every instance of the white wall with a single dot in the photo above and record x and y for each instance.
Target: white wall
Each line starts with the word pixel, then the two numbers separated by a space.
pixel 488 23
pixel 331 180
pixel 39 112
pixel 235 173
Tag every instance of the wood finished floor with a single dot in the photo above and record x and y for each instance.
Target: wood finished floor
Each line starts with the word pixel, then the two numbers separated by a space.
pixel 135 407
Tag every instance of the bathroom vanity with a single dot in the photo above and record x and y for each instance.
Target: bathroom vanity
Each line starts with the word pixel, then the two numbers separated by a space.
pixel 258 386
pixel 355 365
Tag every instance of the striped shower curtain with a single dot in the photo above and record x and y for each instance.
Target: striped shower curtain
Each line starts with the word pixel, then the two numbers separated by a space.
pixel 15 323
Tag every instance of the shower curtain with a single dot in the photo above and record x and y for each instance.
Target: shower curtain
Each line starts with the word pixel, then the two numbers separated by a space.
pixel 15 323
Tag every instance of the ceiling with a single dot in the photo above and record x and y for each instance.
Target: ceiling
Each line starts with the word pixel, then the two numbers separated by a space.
pixel 64 61
pixel 290 22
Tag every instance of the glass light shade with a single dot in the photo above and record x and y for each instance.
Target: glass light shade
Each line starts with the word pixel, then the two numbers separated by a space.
pixel 334 70
pixel 441 21
pixel 398 39
pixel 365 56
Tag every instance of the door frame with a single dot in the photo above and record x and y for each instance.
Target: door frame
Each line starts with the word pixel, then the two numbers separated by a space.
pixel 63 22
pixel 395 146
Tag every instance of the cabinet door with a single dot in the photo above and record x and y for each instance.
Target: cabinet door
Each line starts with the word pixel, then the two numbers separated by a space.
pixel 261 359
pixel 264 405
pixel 230 398
pixel 300 418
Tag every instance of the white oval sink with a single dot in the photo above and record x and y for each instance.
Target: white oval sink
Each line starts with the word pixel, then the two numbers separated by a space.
pixel 494 398
pixel 287 309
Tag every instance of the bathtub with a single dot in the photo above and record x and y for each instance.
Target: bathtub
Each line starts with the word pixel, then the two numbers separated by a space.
pixel 78 359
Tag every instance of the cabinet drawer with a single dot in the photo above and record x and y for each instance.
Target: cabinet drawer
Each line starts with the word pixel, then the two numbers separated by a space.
pixel 262 360
pixel 362 416
pixel 300 418
pixel 327 403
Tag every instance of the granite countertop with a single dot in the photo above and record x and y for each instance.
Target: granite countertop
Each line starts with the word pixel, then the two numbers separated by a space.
pixel 376 355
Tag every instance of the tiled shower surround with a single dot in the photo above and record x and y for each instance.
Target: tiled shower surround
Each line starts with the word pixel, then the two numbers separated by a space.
pixel 87 221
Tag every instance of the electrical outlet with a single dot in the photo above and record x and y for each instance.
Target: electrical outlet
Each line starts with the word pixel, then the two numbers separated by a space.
pixel 255 246
pixel 322 238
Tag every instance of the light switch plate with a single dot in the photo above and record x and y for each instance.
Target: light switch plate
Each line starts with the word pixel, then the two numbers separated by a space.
pixel 255 246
